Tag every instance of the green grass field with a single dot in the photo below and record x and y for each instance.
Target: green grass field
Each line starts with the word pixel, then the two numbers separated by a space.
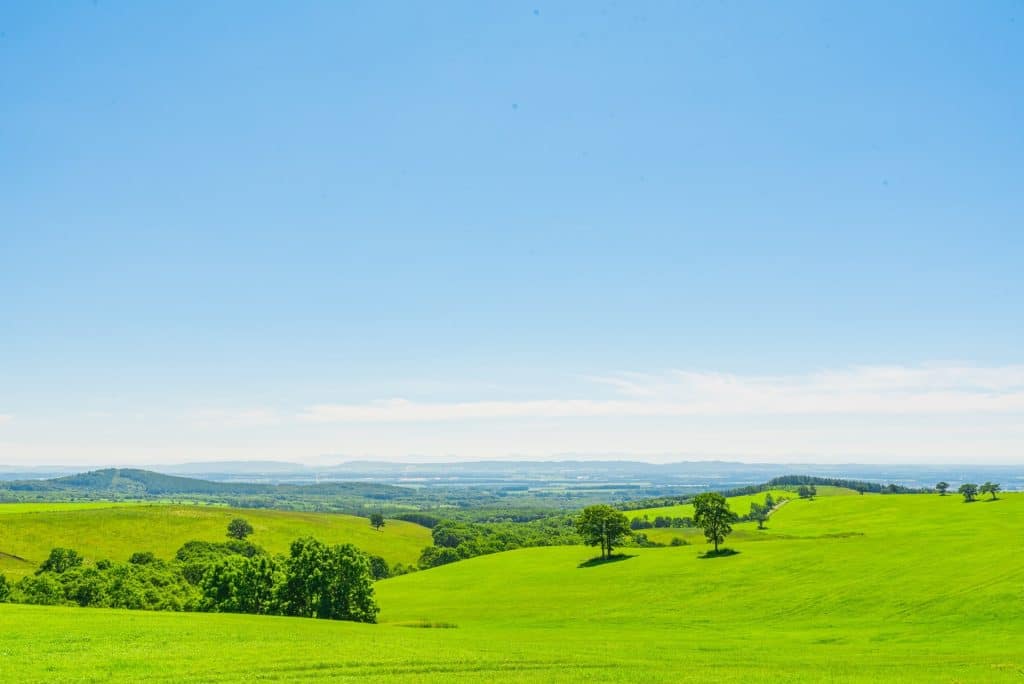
pixel 116 531
pixel 842 588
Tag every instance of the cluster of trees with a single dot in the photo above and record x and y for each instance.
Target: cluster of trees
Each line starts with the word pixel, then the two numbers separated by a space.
pixel 659 522
pixel 785 481
pixel 758 513
pixel 456 540
pixel 236 576
pixel 970 491
pixel 608 528
pixel 806 491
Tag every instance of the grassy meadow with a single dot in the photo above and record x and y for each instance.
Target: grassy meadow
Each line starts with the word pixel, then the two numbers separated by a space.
pixel 115 531
pixel 841 588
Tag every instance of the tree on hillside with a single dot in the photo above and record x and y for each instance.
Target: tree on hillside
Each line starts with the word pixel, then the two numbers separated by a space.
pixel 769 502
pixel 377 521
pixel 806 491
pixel 711 513
pixel 603 526
pixel 332 582
pixel 941 488
pixel 758 513
pixel 379 568
pixel 60 560
pixel 241 584
pixel 969 491
pixel 989 488
pixel 239 528
pixel 5 589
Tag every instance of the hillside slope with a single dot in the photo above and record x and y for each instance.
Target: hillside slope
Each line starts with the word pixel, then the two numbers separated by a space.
pixel 117 531
pixel 856 588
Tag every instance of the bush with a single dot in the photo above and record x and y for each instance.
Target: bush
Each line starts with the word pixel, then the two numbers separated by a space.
pixel 40 590
pixel 379 568
pixel 434 556
pixel 60 560
pixel 142 558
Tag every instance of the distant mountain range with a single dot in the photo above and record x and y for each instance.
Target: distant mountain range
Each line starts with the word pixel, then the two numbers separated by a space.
pixel 704 474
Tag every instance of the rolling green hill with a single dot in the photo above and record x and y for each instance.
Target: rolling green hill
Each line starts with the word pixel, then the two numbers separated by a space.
pixel 116 531
pixel 841 588
pixel 738 504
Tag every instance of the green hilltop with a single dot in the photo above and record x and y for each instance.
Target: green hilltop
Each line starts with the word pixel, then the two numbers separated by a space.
pixel 115 531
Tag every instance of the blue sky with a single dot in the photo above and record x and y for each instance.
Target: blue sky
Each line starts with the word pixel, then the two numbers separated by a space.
pixel 314 231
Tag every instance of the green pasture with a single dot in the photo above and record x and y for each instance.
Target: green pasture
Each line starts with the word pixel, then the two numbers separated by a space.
pixel 896 588
pixel 112 531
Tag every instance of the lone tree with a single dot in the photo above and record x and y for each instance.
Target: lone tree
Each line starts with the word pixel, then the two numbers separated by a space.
pixel 758 513
pixel 239 528
pixel 60 560
pixel 806 492
pixel 377 521
pixel 941 488
pixel 969 491
pixel 603 526
pixel 989 488
pixel 711 513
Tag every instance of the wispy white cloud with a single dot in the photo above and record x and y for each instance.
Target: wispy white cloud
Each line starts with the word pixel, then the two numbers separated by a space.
pixel 236 418
pixel 931 389
pixel 5 418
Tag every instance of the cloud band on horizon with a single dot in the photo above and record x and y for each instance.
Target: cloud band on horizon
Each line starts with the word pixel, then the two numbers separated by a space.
pixel 890 390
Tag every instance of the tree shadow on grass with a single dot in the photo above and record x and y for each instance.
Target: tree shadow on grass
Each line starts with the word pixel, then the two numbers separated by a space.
pixel 719 554
pixel 615 558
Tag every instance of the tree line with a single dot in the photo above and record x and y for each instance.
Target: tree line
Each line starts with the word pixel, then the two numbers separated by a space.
pixel 608 528
pixel 782 482
pixel 456 540
pixel 236 576
pixel 970 490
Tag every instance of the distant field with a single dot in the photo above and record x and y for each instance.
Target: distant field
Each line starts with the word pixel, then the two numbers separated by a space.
pixel 843 588
pixel 738 504
pixel 6 508
pixel 115 531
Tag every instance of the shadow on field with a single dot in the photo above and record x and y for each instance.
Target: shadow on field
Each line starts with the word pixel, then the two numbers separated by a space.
pixel 604 561
pixel 719 554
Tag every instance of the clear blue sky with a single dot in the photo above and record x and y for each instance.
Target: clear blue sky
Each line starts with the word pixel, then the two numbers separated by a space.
pixel 231 231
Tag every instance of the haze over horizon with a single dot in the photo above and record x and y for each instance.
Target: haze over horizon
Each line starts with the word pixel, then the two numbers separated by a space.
pixel 776 234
